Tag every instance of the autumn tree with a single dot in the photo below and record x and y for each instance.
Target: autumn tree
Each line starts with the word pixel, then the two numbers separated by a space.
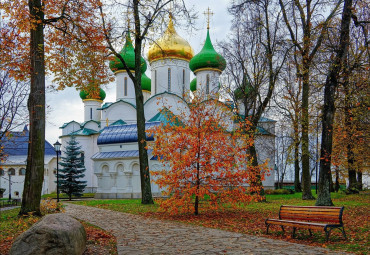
pixel 350 125
pixel 307 23
pixel 26 49
pixel 205 161
pixel 255 53
pixel 331 84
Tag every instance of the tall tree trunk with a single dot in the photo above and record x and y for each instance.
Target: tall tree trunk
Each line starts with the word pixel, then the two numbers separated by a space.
pixel 146 191
pixel 297 182
pixel 36 107
pixel 323 198
pixel 306 176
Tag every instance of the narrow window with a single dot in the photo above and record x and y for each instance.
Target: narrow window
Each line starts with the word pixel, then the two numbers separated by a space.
pixel 183 76
pixel 207 85
pixel 169 79
pixel 125 86
pixel 155 82
pixel 90 113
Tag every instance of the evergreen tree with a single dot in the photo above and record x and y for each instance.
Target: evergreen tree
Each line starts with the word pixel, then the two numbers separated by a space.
pixel 73 170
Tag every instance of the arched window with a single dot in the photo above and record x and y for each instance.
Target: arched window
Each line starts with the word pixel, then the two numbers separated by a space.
pixel 1 172
pixel 169 79
pixel 207 85
pixel 155 82
pixel 125 87
pixel 22 171
pixel 12 171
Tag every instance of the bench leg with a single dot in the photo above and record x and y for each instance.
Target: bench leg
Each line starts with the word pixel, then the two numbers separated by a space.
pixel 267 229
pixel 282 227
pixel 343 232
pixel 327 232
pixel 310 232
pixel 294 231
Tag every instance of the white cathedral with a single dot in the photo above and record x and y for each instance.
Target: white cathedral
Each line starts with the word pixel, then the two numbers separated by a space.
pixel 108 134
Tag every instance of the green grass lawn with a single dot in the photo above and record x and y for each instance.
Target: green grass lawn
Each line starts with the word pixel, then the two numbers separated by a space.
pixel 249 219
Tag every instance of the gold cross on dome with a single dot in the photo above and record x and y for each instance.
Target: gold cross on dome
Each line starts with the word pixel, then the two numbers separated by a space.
pixel 208 13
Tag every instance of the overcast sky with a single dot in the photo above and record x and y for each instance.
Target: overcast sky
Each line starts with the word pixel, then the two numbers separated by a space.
pixel 66 105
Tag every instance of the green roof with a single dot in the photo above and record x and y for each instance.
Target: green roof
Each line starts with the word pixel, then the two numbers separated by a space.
pixel 84 123
pixel 128 55
pixel 66 124
pixel 207 57
pixel 165 116
pixel 193 84
pixel 83 132
pixel 108 104
pixel 145 82
pixel 84 95
pixel 118 122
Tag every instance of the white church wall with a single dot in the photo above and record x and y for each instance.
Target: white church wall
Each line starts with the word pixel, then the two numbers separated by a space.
pixel 265 146
pixel 172 102
pixel 71 127
pixel 89 147
pixel 92 125
pixel 119 110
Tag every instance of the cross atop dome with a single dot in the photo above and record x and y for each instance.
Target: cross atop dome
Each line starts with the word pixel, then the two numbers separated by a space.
pixel 208 13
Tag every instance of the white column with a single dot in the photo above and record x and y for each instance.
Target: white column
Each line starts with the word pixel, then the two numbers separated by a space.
pixel 90 109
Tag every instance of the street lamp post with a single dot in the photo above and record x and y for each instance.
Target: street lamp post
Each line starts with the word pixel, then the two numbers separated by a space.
pixel 57 150
pixel 10 184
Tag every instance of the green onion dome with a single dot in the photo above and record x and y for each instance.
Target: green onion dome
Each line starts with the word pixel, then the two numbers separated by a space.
pixel 146 82
pixel 193 85
pixel 84 95
pixel 207 58
pixel 128 55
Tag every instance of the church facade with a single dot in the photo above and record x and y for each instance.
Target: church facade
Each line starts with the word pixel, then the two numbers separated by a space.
pixel 108 134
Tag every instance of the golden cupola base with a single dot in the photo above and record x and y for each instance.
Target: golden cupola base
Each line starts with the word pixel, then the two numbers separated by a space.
pixel 170 45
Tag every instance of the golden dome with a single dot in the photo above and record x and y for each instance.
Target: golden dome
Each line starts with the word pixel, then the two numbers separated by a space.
pixel 170 45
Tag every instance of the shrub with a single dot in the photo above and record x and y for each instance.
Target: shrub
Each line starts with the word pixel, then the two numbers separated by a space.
pixel 279 191
pixel 50 205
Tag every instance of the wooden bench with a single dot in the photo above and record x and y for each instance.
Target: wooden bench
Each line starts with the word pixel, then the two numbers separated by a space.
pixel 309 217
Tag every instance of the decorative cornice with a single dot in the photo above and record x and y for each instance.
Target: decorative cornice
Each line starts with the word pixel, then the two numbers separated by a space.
pixel 208 69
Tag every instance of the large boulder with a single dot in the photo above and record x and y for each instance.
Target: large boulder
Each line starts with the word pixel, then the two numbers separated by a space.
pixel 54 234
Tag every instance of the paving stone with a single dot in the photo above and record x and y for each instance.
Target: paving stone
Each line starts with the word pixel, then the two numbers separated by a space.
pixel 139 235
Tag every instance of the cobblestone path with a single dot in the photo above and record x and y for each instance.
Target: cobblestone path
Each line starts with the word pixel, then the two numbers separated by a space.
pixel 139 235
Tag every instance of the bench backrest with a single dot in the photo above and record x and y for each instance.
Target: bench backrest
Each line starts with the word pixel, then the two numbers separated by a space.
pixel 312 213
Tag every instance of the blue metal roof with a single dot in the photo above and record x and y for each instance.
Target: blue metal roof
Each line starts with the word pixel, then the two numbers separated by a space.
pixel 123 133
pixel 16 143
pixel 117 154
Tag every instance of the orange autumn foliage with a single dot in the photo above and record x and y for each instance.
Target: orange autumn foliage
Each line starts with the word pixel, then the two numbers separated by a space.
pixel 205 160
pixel 75 50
